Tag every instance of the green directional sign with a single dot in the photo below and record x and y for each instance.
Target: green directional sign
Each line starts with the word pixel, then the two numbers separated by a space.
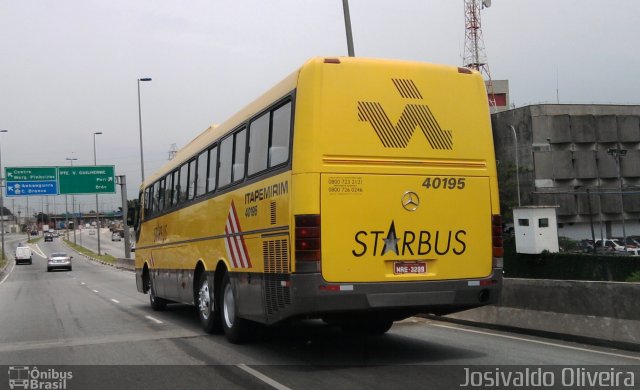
pixel 94 179
pixel 17 174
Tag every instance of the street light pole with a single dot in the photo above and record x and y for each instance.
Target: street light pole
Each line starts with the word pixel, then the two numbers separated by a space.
pixel 140 122
pixel 347 25
pixel 515 137
pixel 73 208
pixel 95 163
pixel 2 197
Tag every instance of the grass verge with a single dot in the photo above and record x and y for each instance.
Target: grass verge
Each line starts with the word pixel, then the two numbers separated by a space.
pixel 106 258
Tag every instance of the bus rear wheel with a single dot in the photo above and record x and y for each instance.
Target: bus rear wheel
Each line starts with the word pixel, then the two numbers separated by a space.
pixel 236 329
pixel 207 307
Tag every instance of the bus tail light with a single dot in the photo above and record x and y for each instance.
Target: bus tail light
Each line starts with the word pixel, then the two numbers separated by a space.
pixel 496 238
pixel 307 243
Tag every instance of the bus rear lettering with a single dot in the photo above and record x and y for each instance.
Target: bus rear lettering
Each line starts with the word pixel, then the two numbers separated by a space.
pixel 412 243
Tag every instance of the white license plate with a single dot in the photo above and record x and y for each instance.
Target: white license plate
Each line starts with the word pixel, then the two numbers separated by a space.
pixel 405 267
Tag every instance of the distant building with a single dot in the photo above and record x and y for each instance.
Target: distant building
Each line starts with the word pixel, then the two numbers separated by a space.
pixel 567 157
pixel 500 94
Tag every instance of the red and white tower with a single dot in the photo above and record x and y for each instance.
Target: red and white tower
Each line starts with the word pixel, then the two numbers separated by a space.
pixel 475 56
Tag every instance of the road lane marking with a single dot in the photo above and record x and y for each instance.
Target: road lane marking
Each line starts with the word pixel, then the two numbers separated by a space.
pixel 157 321
pixel 262 377
pixel 115 300
pixel 82 283
pixel 95 291
pixel 8 273
pixel 537 341
pixel 36 249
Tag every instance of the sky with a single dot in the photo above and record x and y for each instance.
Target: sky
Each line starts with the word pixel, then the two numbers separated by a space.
pixel 69 68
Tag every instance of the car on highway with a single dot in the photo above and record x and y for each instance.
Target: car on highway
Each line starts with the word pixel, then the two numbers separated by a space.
pixel 116 237
pixel 59 260
pixel 23 255
pixel 48 237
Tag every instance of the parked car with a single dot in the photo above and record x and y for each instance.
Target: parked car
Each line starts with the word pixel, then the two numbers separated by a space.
pixel 48 237
pixel 23 255
pixel 59 260
pixel 610 245
pixel 116 237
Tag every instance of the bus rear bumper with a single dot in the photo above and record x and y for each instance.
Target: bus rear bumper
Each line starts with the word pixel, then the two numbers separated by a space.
pixel 311 295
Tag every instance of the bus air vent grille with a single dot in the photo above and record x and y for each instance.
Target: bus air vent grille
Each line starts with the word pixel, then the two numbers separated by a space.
pixel 277 292
pixel 272 207
pixel 276 275
pixel 276 256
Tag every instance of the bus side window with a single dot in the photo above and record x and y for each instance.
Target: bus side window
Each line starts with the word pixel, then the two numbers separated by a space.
pixel 239 155
pixel 226 153
pixel 201 177
pixel 213 169
pixel 168 191
pixel 184 177
pixel 176 187
pixel 280 135
pixel 258 144
pixel 192 180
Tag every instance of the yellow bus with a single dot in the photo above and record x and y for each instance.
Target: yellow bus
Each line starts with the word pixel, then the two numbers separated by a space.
pixel 358 191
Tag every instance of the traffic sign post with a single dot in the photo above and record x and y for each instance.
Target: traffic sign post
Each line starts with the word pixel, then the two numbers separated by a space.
pixel 95 179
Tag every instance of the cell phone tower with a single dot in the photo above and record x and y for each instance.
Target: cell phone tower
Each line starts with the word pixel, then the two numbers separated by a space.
pixel 475 56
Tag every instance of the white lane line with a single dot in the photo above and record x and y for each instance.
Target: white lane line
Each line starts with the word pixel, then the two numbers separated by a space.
pixel 262 377
pixel 537 342
pixel 82 283
pixel 157 321
pixel 13 265
pixel 95 291
pixel 115 300
pixel 36 248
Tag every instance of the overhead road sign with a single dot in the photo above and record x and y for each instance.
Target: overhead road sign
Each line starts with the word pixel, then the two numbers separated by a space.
pixel 30 173
pixel 79 180
pixel 26 188
pixel 30 181
pixel 94 179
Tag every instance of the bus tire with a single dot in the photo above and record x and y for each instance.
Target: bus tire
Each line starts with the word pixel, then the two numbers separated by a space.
pixel 236 329
pixel 207 307
pixel 157 304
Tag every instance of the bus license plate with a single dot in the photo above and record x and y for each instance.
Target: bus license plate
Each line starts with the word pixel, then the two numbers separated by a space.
pixel 403 267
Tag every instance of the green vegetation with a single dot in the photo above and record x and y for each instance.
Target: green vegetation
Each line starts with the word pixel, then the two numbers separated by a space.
pixel 634 277
pixel 34 240
pixel 106 258
pixel 570 266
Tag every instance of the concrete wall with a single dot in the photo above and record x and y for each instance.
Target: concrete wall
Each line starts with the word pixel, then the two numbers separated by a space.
pixel 601 310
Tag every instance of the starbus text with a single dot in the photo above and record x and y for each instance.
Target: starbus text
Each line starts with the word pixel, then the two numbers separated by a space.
pixel 409 243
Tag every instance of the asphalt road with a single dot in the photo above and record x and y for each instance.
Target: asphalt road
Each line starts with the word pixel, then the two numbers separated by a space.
pixel 93 322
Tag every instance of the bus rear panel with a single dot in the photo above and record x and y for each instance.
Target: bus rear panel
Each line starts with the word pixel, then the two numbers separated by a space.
pixel 396 160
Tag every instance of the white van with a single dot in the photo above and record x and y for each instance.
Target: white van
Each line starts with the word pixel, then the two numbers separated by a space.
pixel 23 255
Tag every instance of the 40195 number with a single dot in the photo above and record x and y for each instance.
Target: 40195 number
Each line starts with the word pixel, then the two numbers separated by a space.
pixel 445 183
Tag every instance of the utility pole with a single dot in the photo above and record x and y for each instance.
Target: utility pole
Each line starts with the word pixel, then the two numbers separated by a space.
pixel 122 182
pixel 617 153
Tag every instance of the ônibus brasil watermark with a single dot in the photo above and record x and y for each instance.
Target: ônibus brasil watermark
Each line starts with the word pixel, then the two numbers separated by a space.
pixel 31 378
pixel 570 377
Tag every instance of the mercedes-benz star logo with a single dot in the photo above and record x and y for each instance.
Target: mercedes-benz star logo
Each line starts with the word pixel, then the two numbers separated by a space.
pixel 410 201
